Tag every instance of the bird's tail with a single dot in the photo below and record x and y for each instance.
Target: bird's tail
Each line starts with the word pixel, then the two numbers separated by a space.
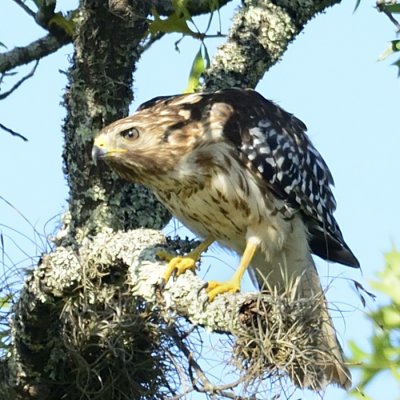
pixel 320 359
pixel 330 360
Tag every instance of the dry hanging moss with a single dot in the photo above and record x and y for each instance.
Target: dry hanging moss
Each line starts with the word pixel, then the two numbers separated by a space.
pixel 114 346
pixel 283 337
pixel 80 334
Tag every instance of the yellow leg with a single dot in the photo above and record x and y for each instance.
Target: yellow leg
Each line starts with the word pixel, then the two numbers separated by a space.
pixel 233 285
pixel 179 264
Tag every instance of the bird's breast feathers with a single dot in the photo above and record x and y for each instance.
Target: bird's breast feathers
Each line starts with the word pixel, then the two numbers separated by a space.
pixel 226 203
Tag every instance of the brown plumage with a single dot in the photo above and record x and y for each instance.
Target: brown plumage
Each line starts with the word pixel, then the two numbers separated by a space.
pixel 237 169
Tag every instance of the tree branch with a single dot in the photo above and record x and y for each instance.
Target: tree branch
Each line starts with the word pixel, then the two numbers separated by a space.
pixel 393 20
pixel 260 34
pixel 206 386
pixel 18 84
pixel 33 51
pixel 50 44
pixel 83 294
pixel 13 132
pixel 25 8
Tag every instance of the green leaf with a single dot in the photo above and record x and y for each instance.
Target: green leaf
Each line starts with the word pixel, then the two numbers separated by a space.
pixel 358 354
pixel 3 45
pixel 197 70
pixel 389 278
pixel 358 394
pixel 6 301
pixel 390 8
pixel 396 373
pixel 65 24
pixel 393 48
pixel 176 22
pixel 397 64
pixel 180 7
pixel 391 317
pixel 384 353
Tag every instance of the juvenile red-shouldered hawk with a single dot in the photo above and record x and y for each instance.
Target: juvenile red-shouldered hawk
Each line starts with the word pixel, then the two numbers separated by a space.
pixel 237 169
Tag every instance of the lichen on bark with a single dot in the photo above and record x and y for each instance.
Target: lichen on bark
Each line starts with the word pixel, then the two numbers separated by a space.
pixel 99 92
pixel 94 320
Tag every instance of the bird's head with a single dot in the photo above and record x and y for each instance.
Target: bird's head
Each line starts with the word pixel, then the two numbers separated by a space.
pixel 149 144
pixel 131 149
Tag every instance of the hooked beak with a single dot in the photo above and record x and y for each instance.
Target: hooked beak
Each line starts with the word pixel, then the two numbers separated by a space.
pixel 98 153
pixel 100 150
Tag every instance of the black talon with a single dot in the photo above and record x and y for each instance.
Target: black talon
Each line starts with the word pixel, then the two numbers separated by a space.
pixel 160 285
pixel 202 287
pixel 174 274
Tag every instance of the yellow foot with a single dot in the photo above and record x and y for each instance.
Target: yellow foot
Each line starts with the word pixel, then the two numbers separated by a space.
pixel 177 265
pixel 215 288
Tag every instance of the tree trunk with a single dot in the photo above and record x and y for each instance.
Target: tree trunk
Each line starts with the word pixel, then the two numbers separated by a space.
pixel 100 91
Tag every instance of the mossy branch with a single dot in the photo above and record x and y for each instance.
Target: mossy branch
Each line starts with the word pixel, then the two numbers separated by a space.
pixel 83 314
pixel 36 50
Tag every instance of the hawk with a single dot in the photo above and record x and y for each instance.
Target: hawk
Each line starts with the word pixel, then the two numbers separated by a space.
pixel 239 170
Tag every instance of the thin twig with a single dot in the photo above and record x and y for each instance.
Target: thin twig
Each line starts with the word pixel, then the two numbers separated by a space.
pixel 16 86
pixel 25 8
pixel 380 5
pixel 181 375
pixel 13 132
pixel 150 41
pixel 207 386
pixel 393 19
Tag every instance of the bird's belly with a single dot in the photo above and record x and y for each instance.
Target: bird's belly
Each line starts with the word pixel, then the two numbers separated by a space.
pixel 232 219
pixel 229 215
pixel 206 215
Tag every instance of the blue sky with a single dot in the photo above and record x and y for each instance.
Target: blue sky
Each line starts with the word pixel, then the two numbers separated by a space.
pixel 329 78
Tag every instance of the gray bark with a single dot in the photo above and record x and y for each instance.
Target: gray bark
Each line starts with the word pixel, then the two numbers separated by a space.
pixel 34 51
pixel 100 91
pixel 99 278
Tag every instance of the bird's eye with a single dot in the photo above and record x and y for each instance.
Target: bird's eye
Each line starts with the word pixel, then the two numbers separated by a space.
pixel 130 134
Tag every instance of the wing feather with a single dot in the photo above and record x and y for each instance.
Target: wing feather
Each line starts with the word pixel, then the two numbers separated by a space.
pixel 276 144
